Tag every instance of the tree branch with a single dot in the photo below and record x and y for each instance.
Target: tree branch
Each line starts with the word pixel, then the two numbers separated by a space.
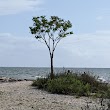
pixel 56 44
pixel 47 44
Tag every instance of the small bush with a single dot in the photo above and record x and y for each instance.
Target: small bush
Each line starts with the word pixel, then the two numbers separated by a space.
pixel 73 84
pixel 40 83
pixel 93 82
pixel 67 85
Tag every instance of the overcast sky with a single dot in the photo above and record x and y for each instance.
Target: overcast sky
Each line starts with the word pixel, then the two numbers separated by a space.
pixel 89 46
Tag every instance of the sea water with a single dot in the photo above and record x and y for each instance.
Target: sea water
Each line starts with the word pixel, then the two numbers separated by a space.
pixel 34 72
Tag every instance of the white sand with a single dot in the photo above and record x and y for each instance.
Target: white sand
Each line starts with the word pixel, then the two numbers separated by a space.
pixel 22 96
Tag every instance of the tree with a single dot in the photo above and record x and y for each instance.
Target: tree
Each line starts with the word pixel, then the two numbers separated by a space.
pixel 50 32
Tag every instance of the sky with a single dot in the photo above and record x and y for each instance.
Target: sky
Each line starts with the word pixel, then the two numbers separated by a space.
pixel 89 46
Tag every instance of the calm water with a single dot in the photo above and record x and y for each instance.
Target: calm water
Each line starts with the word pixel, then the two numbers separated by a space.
pixel 32 72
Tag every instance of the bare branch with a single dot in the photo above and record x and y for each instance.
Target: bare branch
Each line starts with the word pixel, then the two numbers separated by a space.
pixel 46 44
pixel 57 43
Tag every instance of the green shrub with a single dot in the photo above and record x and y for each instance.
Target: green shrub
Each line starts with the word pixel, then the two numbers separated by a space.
pixel 93 82
pixel 73 84
pixel 40 83
pixel 87 78
pixel 67 85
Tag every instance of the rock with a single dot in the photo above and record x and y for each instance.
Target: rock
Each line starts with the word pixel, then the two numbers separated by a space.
pixel 11 80
pixel 20 80
pixel 3 79
pixel 6 79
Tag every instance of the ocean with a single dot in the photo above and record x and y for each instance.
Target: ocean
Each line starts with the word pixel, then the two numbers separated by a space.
pixel 33 72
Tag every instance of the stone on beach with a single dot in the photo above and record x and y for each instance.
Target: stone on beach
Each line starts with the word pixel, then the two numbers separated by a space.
pixel 6 79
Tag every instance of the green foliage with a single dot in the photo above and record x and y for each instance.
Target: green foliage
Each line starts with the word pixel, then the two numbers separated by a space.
pixel 43 26
pixel 95 85
pixel 40 83
pixel 67 85
pixel 74 84
pixel 50 30
pixel 108 93
pixel 104 93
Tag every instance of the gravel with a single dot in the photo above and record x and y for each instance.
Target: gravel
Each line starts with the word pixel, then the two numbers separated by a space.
pixel 21 95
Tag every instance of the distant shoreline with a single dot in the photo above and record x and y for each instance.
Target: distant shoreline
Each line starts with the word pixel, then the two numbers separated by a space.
pixel 6 79
pixel 54 67
pixel 30 73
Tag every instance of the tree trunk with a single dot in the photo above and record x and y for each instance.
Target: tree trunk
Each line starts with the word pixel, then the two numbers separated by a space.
pixel 52 72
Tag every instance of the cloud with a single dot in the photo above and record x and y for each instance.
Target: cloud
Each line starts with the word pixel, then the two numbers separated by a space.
pixel 99 18
pixel 17 6
pixel 22 51
pixel 87 50
pixel 84 50
pixel 103 32
pixel 10 42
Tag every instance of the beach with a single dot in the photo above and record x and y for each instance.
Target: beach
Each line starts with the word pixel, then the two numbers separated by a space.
pixel 20 95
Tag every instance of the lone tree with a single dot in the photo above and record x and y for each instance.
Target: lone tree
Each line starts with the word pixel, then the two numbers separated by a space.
pixel 50 32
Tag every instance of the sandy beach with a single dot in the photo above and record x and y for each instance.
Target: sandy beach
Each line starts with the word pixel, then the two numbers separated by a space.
pixel 22 96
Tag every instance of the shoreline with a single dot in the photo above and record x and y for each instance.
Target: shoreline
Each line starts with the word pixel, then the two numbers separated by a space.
pixel 21 95
pixel 6 79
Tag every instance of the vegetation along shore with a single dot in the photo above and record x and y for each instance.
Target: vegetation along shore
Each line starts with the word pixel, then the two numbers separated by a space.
pixel 56 94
